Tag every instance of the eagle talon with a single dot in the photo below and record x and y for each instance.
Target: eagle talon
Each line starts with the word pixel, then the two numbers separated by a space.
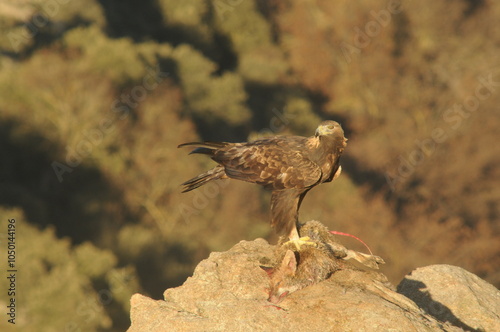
pixel 301 242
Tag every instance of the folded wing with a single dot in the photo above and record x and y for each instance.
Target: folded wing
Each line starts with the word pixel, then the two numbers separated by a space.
pixel 275 163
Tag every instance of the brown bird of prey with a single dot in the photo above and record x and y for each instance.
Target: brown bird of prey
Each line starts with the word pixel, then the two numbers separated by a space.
pixel 290 166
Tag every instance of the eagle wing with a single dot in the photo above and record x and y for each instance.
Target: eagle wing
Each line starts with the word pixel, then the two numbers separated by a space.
pixel 276 163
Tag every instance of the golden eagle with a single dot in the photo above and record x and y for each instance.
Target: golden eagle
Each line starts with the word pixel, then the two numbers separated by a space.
pixel 288 165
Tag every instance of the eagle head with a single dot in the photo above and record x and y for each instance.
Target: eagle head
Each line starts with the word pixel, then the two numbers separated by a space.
pixel 330 128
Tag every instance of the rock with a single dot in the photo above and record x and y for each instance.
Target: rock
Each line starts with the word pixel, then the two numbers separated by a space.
pixel 227 292
pixel 452 294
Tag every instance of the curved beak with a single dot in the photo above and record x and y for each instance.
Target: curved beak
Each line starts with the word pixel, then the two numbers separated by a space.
pixel 320 131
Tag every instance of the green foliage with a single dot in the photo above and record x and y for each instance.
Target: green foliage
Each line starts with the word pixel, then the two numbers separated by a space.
pixel 245 26
pixel 118 59
pixel 302 118
pixel 209 96
pixel 56 283
pixel 24 22
pixel 66 13
pixel 191 15
pixel 93 262
pixel 65 108
pixel 260 60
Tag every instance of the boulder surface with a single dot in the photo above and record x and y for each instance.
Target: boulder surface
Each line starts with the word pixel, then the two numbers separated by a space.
pixel 228 292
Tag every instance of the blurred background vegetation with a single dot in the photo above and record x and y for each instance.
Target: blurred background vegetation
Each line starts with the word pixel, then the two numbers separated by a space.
pixel 96 95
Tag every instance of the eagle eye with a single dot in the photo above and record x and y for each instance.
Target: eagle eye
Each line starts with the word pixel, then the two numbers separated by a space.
pixel 330 126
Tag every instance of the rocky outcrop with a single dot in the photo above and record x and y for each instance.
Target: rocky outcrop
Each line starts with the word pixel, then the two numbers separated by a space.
pixel 228 292
pixel 452 294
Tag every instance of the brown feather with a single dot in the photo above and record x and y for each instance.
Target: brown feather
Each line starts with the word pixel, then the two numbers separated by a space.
pixel 214 174
pixel 276 163
pixel 288 165
pixel 207 144
pixel 284 209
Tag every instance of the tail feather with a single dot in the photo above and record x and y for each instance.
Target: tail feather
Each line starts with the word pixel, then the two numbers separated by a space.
pixel 207 148
pixel 213 174
pixel 206 151
pixel 210 145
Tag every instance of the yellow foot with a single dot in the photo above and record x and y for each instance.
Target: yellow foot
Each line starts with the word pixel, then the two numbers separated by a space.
pixel 300 242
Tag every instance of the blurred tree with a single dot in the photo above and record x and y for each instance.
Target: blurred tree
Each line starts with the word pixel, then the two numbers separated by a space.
pixel 30 24
pixel 209 96
pixel 190 17
pixel 259 58
pixel 79 278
